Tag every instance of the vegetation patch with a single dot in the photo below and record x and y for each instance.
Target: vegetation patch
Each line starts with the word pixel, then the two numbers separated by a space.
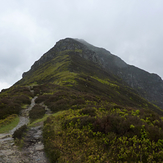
pixel 88 111
pixel 34 123
pixel 107 82
pixel 19 136
pixel 37 112
pixel 7 120
pixel 117 135
pixel 12 100
pixel 9 123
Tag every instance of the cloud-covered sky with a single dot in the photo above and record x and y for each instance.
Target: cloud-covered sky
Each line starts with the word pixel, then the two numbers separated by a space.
pixel 130 29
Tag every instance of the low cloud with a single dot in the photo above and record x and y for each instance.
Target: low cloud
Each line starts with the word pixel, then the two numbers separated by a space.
pixel 130 29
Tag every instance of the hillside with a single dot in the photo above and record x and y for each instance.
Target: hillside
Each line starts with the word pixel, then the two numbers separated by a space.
pixel 149 86
pixel 96 114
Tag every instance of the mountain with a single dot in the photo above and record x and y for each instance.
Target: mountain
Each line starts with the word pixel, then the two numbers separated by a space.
pixel 101 109
pixel 149 86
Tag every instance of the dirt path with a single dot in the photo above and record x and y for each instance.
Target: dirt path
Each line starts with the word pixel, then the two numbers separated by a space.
pixel 33 145
pixel 33 150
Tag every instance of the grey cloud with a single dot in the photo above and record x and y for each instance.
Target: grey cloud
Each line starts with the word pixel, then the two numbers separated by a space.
pixel 130 29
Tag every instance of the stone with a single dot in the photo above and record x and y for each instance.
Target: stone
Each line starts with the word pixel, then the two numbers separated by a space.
pixel 39 147
pixel 12 144
pixel 31 152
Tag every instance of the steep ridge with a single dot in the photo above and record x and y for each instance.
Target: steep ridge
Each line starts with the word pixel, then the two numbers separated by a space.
pixel 149 86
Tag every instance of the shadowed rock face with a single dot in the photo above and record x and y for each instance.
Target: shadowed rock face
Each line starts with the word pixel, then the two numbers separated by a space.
pixel 149 86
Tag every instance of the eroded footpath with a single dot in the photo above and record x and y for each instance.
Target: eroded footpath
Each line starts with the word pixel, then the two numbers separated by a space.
pixel 33 149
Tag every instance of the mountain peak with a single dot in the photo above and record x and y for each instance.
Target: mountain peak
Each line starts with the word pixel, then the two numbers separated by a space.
pixel 65 45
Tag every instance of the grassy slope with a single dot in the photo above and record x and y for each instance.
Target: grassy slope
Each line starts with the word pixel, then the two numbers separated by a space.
pixel 99 119
pixel 91 128
pixel 9 123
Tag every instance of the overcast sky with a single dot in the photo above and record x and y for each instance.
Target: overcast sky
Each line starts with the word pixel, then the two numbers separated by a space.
pixel 130 29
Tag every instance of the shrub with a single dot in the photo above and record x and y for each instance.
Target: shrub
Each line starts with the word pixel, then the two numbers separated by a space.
pixel 77 102
pixel 21 99
pixel 18 134
pixel 36 113
pixel 41 98
pixel 90 97
pixel 79 121
pixel 88 111
pixel 48 135
pixel 36 90
pixel 119 125
pixel 154 133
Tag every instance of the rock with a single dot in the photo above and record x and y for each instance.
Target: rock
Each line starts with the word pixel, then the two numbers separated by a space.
pixel 7 152
pixel 39 147
pixel 31 152
pixel 1 155
pixel 1 160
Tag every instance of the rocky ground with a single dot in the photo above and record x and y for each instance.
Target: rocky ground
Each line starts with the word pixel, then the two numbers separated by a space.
pixel 33 149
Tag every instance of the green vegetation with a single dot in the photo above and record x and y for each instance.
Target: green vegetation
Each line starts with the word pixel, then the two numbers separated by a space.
pixel 9 123
pixel 96 117
pixel 37 112
pixel 88 127
pixel 51 71
pixel 38 121
pixel 7 120
pixel 76 136
pixel 19 136
pixel 106 82
pixel 12 100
